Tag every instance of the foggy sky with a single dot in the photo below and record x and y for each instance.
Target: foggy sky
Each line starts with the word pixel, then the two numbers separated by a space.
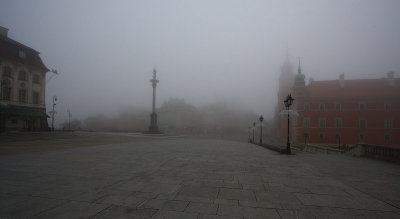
pixel 204 51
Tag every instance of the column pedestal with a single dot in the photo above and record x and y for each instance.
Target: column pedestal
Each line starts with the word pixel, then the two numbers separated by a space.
pixel 153 129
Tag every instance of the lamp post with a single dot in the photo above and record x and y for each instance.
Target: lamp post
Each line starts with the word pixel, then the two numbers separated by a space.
pixel 306 136
pixel 254 127
pixel 52 113
pixel 261 120
pixel 288 102
pixel 338 138
pixel 69 119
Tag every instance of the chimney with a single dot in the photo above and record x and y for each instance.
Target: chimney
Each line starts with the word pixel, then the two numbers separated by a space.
pixel 3 31
pixel 341 80
pixel 390 78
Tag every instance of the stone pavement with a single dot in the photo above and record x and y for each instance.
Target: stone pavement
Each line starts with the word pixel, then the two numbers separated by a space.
pixel 191 178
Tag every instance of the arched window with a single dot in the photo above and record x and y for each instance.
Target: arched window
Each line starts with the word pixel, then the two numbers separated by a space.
pixel 22 95
pixel 6 71
pixel 36 79
pixel 22 76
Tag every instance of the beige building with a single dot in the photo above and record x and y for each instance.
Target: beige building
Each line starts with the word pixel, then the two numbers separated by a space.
pixel 23 83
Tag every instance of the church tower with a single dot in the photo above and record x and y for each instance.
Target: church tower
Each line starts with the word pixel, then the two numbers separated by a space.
pixel 299 79
pixel 286 83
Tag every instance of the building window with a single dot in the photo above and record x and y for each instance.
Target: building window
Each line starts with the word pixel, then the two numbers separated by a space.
pixel 6 93
pixel 36 79
pixel 14 121
pixel 387 137
pixel 338 123
pixel 6 71
pixel 362 136
pixel 363 123
pixel 22 54
pixel 22 95
pixel 338 136
pixel 322 123
pixel 321 135
pixel 321 106
pixel 306 122
pixel 388 123
pixel 338 106
pixel 388 106
pixel 306 106
pixel 35 98
pixel 22 76
pixel 361 106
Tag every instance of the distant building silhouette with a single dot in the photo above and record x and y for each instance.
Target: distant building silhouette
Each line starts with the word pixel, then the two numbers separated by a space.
pixel 343 111
pixel 23 83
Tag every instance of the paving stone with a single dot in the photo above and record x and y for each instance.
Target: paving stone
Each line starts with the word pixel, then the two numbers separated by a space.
pixel 237 194
pixel 328 200
pixel 120 199
pixel 175 205
pixel 226 202
pixel 249 179
pixel 73 209
pixel 284 188
pixel 326 190
pixel 219 176
pixel 28 207
pixel 152 203
pixel 277 197
pixel 208 216
pixel 204 208
pixel 175 215
pixel 231 210
pixel 199 191
pixel 247 212
pixel 254 187
pixel 221 184
pixel 125 212
pixel 297 214
pixel 145 194
pixel 259 204
pixel 131 185
pixel 160 188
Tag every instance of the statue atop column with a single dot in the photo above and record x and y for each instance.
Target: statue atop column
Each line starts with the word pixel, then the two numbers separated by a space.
pixel 153 116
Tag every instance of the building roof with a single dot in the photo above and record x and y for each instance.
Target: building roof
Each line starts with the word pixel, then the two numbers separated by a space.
pixel 371 88
pixel 10 49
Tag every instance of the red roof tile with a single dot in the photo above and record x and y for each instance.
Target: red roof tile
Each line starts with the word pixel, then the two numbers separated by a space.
pixel 9 49
pixel 352 88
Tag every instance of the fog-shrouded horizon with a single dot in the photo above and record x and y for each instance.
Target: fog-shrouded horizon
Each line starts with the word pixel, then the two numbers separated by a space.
pixel 204 51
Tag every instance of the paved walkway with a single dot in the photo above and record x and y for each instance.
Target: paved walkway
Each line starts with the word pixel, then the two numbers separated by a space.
pixel 190 178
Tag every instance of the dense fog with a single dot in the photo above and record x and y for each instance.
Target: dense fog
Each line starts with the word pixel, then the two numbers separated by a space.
pixel 218 57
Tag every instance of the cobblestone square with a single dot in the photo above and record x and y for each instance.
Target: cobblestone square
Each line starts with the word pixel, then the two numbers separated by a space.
pixel 177 177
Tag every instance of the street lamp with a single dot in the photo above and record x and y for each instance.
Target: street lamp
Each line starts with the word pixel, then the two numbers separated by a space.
pixel 338 138
pixel 53 112
pixel 261 120
pixel 306 136
pixel 69 119
pixel 254 127
pixel 288 102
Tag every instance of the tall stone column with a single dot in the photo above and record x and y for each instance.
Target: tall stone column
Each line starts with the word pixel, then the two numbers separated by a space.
pixel 153 116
